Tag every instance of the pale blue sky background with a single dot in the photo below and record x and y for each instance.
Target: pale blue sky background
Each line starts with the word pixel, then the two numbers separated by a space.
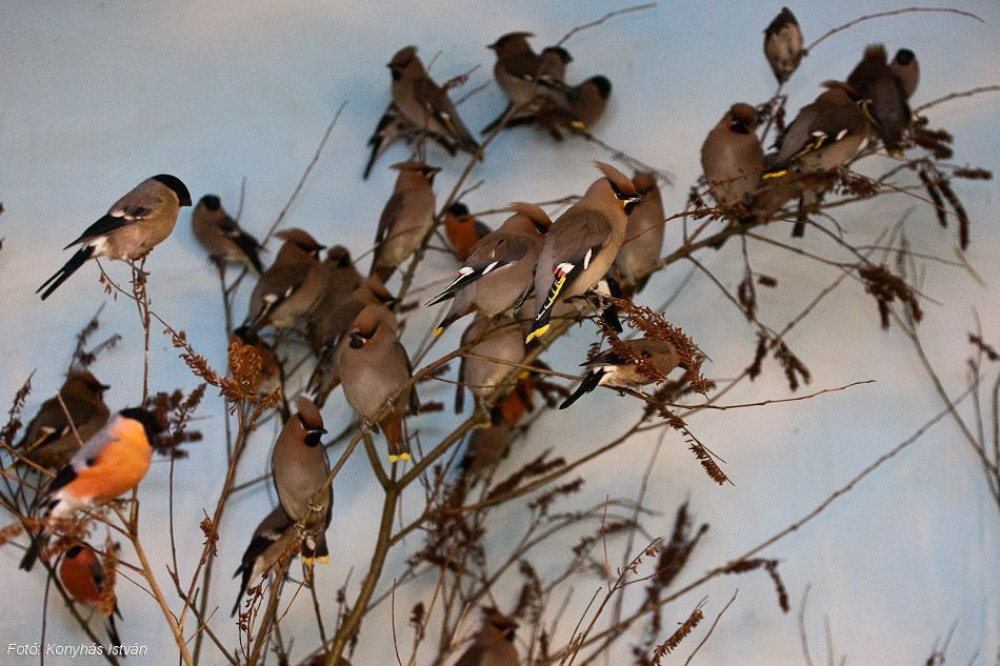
pixel 95 96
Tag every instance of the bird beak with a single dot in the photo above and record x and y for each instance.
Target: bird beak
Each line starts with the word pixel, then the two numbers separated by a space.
pixel 103 387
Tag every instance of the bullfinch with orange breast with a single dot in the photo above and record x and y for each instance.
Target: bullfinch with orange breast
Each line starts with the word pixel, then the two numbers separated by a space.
pixel 83 578
pixel 108 465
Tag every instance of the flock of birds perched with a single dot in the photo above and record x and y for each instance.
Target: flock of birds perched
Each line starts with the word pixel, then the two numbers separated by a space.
pixel 607 242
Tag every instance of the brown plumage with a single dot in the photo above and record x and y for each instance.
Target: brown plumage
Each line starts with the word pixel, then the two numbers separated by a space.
pixel 49 440
pixel 222 237
pixel 582 244
pixel 732 158
pixel 647 360
pixel 502 340
pixel 406 219
pixel 287 291
pixel 493 644
pixel 299 468
pixel 373 366
pixel 877 82
pixel 783 46
pixel 424 103
pixel 640 252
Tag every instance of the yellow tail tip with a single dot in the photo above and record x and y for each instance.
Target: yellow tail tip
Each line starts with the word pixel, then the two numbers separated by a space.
pixel 537 333
pixel 438 331
pixel 402 457
pixel 774 174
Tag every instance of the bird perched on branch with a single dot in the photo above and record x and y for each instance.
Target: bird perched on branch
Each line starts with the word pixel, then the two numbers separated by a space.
pixel 499 271
pixel 582 244
pixel 877 82
pixel 496 348
pixel 299 467
pixel 824 135
pixel 133 226
pixel 287 291
pixel 274 540
pixel 463 230
pixel 374 367
pixel 108 465
pixel 732 158
pixel 633 364
pixel 328 331
pixel 50 440
pixel 223 238
pixel 783 46
pixel 83 578
pixel 406 219
pixel 493 644
pixel 527 78
pixel 907 68
pixel 640 252
pixel 424 103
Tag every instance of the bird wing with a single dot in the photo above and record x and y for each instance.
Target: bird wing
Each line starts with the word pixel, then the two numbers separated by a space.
pixel 136 206
pixel 495 251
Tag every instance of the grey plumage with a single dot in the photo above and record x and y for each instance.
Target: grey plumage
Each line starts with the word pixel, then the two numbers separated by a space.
pixel 133 226
pixel 493 644
pixel 500 269
pixel 644 361
pixel 496 347
pixel 272 540
pixel 906 66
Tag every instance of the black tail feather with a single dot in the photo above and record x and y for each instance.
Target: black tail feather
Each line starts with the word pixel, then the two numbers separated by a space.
pixel 70 267
pixel 34 550
pixel 493 125
pixel 589 383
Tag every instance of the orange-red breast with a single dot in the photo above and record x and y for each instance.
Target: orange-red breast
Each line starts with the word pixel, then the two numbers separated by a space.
pixel 108 465
pixel 463 230
pixel 83 578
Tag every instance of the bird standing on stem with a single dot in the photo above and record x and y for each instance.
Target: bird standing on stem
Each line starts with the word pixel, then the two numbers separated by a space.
pixel 132 227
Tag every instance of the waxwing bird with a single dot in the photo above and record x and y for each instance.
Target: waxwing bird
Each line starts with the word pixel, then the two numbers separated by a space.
pixel 406 219
pixel 287 291
pixel 270 379
pixel 906 66
pixel 588 100
pixel 500 269
pixel 392 127
pixel 493 644
pixel 83 578
pixel 495 349
pixel 49 439
pixel 299 467
pixel 373 367
pixel 132 227
pixel 223 238
pixel 486 448
pixel 273 540
pixel 640 253
pixel 524 76
pixel 648 360
pixel 582 244
pixel 329 331
pixel 732 158
pixel 424 103
pixel 108 465
pixel 340 279
pixel 783 45
pixel 876 82
pixel 579 108
pixel 824 135
pixel 463 230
